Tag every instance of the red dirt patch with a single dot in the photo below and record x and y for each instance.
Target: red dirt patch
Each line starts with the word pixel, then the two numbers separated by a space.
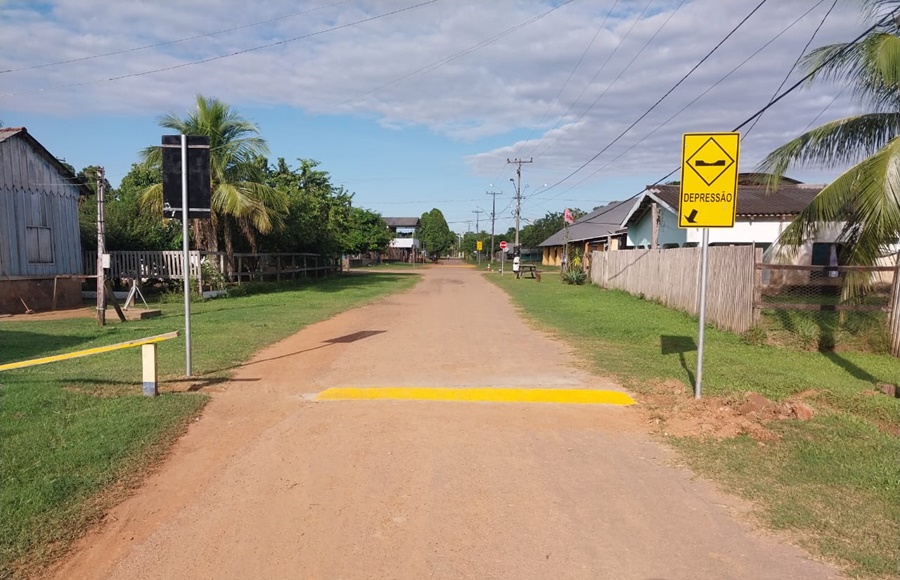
pixel 672 410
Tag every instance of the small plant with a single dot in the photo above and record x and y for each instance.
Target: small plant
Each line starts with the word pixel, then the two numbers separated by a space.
pixel 757 336
pixel 212 276
pixel 576 277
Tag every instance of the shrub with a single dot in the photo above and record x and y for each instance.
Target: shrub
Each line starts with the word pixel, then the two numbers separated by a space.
pixel 576 277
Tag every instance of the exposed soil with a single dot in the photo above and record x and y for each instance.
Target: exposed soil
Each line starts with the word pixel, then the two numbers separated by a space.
pixel 270 484
pixel 672 410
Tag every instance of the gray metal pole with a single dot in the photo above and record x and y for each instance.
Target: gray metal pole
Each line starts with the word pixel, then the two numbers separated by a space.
pixel 704 264
pixel 186 273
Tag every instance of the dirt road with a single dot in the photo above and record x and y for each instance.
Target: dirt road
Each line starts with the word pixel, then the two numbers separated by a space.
pixel 270 484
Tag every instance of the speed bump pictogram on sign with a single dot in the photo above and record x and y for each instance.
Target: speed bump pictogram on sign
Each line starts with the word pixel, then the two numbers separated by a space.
pixel 709 175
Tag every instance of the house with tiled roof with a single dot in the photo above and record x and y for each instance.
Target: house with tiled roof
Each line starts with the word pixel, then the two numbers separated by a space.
pixel 760 217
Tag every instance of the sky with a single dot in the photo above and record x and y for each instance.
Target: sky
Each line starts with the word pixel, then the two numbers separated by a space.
pixel 417 104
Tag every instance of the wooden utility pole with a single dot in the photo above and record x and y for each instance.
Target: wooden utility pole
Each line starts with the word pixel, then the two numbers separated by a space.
pixel 654 226
pixel 518 184
pixel 101 247
pixel 493 195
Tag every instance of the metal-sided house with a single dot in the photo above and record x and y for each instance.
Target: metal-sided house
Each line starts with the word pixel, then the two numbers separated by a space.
pixel 40 244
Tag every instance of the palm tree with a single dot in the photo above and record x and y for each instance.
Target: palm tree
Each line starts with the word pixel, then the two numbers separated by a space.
pixel 239 197
pixel 866 197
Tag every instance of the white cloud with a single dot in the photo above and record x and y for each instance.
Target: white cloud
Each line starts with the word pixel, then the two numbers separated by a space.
pixel 503 87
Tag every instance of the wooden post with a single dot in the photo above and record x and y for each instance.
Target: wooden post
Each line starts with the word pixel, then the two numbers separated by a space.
pixel 101 249
pixel 654 226
pixel 895 311
pixel 278 267
pixel 148 357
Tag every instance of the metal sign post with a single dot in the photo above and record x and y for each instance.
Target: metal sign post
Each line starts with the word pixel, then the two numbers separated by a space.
pixel 185 274
pixel 184 156
pixel 708 199
pixel 704 265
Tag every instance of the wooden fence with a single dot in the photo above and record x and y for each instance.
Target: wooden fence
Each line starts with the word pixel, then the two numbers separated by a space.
pixel 672 276
pixel 169 265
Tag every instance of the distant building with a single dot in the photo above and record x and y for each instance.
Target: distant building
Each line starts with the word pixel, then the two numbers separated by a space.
pixel 40 243
pixel 601 230
pixel 404 246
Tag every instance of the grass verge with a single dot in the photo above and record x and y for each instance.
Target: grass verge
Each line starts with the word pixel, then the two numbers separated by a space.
pixel 833 482
pixel 74 432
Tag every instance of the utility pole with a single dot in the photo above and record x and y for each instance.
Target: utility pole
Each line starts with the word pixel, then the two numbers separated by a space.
pixel 493 195
pixel 477 217
pixel 518 184
pixel 477 213
pixel 101 247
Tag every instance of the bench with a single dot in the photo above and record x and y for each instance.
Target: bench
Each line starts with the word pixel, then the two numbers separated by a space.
pixel 528 269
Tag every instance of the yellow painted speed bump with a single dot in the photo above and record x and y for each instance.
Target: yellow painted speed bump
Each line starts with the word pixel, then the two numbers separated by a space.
pixel 488 395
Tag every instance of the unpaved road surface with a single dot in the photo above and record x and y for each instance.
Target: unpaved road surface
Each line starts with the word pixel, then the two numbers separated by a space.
pixel 270 484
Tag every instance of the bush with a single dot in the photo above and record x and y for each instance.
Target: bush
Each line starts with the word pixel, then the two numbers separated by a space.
pixel 574 276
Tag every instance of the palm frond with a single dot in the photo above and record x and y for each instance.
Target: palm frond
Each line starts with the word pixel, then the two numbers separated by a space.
pixel 866 200
pixel 839 142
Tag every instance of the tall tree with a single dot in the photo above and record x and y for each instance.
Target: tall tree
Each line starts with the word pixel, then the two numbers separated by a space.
pixel 866 197
pixel 368 232
pixel 240 199
pixel 318 214
pixel 435 233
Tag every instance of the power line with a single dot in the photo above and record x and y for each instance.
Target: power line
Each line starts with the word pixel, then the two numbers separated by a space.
pixel 572 73
pixel 228 55
pixel 622 72
pixel 596 74
pixel 439 63
pixel 170 42
pixel 698 97
pixel 660 100
pixel 838 54
pixel 794 66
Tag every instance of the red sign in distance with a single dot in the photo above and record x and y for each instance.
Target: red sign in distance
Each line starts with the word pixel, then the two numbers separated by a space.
pixel 503 245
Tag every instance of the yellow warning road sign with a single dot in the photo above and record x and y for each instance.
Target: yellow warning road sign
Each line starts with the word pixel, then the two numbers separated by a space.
pixel 709 175
pixel 478 246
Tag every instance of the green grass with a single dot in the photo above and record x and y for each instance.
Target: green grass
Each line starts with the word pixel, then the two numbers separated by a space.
pixel 73 432
pixel 833 482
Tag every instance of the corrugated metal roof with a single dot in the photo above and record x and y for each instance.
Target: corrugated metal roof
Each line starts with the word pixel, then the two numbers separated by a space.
pixel 402 222
pixel 7 133
pixel 600 223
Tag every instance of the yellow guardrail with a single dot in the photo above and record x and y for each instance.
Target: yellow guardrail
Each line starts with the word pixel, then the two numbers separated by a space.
pixel 149 358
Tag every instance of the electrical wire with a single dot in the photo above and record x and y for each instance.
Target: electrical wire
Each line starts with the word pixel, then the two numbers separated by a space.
pixel 541 150
pixel 228 55
pixel 698 97
pixel 793 66
pixel 795 86
pixel 439 63
pixel 662 98
pixel 569 78
pixel 170 42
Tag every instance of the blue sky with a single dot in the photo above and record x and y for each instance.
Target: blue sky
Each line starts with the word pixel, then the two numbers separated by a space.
pixel 422 107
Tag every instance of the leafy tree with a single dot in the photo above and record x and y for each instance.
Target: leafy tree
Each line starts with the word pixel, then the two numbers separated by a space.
pixel 368 232
pixel 435 233
pixel 240 198
pixel 318 216
pixel 866 197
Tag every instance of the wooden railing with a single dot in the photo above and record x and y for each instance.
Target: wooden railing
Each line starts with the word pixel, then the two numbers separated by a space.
pixel 169 265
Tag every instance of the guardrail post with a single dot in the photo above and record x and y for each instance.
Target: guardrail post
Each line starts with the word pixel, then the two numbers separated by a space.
pixel 148 357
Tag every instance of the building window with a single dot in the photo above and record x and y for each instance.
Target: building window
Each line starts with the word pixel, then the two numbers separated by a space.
pixel 824 254
pixel 38 245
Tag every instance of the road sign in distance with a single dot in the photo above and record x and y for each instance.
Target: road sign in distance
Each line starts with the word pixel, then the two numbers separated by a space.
pixel 479 245
pixel 709 175
pixel 503 245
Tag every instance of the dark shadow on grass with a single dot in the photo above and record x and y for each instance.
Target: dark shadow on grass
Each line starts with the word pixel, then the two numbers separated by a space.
pixel 680 345
pixel 19 345
pixel 849 367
